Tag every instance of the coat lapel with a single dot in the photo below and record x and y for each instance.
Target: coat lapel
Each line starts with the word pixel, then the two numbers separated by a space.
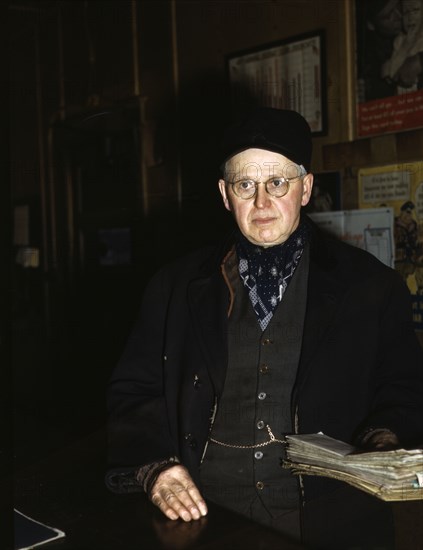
pixel 208 300
pixel 324 299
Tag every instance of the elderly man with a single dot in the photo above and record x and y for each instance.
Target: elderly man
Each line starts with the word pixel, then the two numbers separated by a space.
pixel 278 330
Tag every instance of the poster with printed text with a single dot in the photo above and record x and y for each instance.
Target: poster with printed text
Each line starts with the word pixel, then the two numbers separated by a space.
pixel 389 40
pixel 370 230
pixel 400 186
pixel 286 75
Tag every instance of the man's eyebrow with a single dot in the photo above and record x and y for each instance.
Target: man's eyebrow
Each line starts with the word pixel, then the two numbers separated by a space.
pixel 272 174
pixel 267 178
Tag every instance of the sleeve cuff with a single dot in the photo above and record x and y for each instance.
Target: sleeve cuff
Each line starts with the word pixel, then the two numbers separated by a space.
pixel 148 474
pixel 122 480
pixel 367 434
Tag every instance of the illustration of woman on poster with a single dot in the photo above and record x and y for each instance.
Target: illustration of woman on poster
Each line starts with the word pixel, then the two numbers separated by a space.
pixel 405 234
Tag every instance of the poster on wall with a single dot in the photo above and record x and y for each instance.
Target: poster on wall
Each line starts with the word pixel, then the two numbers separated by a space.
pixel 370 229
pixel 400 186
pixel 389 38
pixel 288 74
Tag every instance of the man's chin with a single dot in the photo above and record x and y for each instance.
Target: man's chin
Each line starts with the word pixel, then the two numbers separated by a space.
pixel 267 242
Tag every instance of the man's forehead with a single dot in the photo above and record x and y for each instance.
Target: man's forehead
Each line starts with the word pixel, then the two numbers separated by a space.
pixel 251 157
pixel 257 163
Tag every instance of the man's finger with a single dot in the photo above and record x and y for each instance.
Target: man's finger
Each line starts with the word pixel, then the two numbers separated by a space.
pixel 177 496
pixel 191 499
pixel 198 499
pixel 175 505
pixel 169 508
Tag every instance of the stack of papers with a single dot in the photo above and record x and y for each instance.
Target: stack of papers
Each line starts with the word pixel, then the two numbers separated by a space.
pixel 389 475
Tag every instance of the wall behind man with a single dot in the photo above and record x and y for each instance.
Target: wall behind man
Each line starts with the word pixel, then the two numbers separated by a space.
pixel 146 76
pixel 219 29
pixel 222 28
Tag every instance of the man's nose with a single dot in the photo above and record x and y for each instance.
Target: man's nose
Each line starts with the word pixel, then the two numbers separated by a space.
pixel 262 198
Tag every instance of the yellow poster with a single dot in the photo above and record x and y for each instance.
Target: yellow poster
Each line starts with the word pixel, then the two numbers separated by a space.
pixel 400 186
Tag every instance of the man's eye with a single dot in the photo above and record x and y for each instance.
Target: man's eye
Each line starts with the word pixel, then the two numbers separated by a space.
pixel 278 182
pixel 245 185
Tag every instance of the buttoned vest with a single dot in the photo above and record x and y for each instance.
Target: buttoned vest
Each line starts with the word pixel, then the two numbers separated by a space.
pixel 261 373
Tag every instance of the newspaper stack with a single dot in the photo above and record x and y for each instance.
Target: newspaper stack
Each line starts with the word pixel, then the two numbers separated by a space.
pixel 388 475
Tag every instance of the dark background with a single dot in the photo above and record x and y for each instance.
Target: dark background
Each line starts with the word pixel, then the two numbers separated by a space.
pixel 116 109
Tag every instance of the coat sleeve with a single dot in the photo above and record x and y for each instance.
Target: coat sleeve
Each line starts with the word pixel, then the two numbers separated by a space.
pixel 398 400
pixel 138 428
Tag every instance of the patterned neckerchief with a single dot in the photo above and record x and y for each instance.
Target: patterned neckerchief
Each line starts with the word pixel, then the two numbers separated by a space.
pixel 266 272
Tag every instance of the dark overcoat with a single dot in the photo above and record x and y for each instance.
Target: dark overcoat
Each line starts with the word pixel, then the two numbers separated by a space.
pixel 361 365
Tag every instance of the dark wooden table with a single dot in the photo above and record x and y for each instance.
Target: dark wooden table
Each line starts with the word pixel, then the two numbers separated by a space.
pixel 67 491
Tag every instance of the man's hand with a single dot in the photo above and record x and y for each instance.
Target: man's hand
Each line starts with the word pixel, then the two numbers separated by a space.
pixel 378 440
pixel 176 495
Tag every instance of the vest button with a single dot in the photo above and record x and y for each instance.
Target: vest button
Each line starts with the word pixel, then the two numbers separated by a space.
pixel 264 369
pixel 260 485
pixel 258 455
pixel 267 341
pixel 262 396
pixel 260 424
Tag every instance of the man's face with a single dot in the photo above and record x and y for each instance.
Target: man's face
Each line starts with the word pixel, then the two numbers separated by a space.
pixel 265 220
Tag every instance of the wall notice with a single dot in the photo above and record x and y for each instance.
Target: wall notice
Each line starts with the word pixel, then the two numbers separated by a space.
pixel 400 186
pixel 387 186
pixel 370 229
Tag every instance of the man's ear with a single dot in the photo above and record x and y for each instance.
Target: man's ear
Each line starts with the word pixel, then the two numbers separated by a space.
pixel 222 189
pixel 307 187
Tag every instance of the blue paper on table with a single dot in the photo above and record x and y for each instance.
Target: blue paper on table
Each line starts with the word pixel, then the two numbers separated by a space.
pixel 30 533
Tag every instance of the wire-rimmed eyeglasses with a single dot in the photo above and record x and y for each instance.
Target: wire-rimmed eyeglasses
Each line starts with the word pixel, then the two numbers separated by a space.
pixel 277 186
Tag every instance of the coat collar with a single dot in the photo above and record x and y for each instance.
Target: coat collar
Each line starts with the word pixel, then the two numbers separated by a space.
pixel 209 300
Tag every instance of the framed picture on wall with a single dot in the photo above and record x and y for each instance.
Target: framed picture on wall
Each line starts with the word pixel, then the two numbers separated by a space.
pixel 289 74
pixel 389 39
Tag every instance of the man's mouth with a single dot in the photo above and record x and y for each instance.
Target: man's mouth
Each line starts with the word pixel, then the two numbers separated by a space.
pixel 263 221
